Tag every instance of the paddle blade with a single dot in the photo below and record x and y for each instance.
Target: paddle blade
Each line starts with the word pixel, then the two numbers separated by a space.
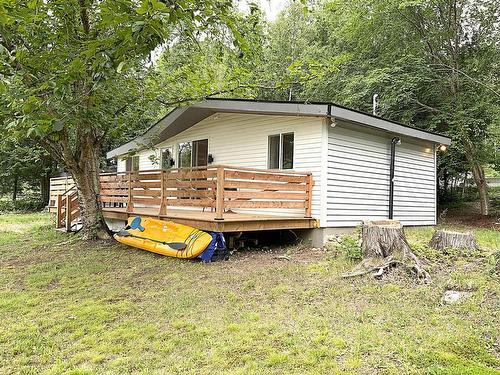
pixel 176 245
pixel 136 224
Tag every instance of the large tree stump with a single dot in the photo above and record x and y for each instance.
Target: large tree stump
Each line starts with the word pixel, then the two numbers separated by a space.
pixel 456 240
pixel 384 246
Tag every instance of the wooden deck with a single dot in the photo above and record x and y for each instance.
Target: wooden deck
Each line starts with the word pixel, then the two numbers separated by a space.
pixel 233 222
pixel 214 198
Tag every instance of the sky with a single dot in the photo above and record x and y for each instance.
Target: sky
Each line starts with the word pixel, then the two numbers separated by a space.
pixel 270 7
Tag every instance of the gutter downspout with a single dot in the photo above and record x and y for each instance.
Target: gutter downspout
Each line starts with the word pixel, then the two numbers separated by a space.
pixel 395 141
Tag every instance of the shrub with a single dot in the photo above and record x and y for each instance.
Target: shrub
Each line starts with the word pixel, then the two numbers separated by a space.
pixel 347 245
pixel 29 204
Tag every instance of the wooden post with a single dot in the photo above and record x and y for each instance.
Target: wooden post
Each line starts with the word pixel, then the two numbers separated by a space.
pixel 68 212
pixel 59 211
pixel 309 184
pixel 130 204
pixel 163 196
pixel 219 198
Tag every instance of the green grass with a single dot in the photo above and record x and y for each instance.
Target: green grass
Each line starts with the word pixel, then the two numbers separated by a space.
pixel 79 308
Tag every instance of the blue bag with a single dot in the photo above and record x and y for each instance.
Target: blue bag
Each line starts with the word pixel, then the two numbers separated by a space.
pixel 216 250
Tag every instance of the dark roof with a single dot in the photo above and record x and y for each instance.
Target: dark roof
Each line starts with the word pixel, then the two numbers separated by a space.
pixel 182 118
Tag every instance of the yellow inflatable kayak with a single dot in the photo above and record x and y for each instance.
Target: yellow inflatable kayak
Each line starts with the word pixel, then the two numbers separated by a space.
pixel 164 237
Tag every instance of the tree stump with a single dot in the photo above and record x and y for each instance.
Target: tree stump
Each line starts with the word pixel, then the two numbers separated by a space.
pixel 384 246
pixel 456 240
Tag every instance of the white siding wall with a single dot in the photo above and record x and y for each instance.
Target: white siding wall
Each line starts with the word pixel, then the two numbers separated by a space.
pixel 415 184
pixel 242 140
pixel 358 178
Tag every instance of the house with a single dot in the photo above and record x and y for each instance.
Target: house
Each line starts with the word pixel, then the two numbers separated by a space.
pixel 348 155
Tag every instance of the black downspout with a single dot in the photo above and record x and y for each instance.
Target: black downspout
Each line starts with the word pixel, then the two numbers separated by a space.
pixel 395 141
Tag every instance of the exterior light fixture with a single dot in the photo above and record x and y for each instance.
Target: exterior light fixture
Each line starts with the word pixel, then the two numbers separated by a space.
pixel 442 148
pixel 332 122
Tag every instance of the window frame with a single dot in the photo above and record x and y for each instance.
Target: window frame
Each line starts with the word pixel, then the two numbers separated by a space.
pixel 172 153
pixel 132 158
pixel 280 151
pixel 178 154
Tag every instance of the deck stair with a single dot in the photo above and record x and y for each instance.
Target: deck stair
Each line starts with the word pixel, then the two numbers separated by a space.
pixel 68 211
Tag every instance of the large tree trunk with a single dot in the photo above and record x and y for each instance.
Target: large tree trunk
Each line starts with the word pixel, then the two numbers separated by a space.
pixel 85 172
pixel 478 175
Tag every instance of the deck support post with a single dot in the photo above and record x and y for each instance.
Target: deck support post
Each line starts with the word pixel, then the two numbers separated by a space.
pixel 308 201
pixel 163 197
pixel 219 198
pixel 130 203
pixel 59 211
pixel 69 198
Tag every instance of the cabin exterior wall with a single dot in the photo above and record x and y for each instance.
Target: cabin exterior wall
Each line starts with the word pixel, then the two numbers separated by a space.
pixel 358 178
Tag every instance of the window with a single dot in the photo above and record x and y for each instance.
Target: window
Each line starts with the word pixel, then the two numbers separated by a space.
pixel 167 158
pixel 132 163
pixel 280 151
pixel 193 154
pixel 200 153
pixel 185 154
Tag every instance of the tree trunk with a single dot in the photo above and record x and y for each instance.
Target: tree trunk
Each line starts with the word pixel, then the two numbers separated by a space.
pixel 443 239
pixel 86 176
pixel 45 189
pixel 384 245
pixel 479 178
pixel 15 188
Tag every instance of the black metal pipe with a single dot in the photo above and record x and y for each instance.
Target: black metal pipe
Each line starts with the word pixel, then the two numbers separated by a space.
pixel 395 141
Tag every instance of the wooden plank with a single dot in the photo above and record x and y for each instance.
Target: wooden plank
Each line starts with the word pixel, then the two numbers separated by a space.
pixel 146 184
pixel 185 175
pixel 265 195
pixel 114 185
pixel 146 176
pixel 190 193
pixel 266 176
pixel 191 202
pixel 277 171
pixel 148 193
pixel 141 200
pixel 107 199
pixel 219 204
pixel 264 204
pixel 264 186
pixel 308 203
pixel 195 184
pixel 114 192
pixel 59 211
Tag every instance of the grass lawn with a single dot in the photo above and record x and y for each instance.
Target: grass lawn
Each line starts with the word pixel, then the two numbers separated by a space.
pixel 73 307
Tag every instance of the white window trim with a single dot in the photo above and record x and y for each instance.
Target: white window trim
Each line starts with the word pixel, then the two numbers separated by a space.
pixel 280 152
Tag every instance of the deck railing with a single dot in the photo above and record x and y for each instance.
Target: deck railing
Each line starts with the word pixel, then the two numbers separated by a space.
pixel 217 188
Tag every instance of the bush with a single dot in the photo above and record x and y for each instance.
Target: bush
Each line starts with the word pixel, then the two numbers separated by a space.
pixel 347 245
pixel 29 204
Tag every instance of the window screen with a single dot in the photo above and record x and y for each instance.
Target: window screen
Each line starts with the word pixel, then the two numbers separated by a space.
pixel 274 152
pixel 184 155
pixel 167 158
pixel 132 163
pixel 200 153
pixel 280 153
pixel 287 151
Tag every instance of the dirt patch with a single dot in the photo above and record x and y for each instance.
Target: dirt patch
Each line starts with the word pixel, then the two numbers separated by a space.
pixel 264 258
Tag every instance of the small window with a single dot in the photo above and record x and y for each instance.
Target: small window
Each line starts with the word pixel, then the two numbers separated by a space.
pixel 167 158
pixel 132 163
pixel 185 154
pixel 200 153
pixel 280 151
